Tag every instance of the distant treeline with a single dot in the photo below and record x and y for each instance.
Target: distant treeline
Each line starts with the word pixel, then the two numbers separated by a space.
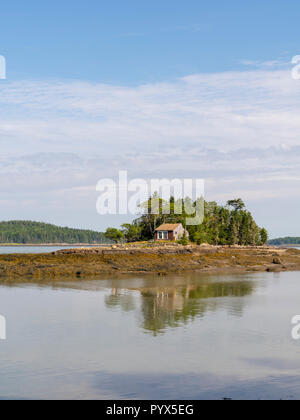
pixel 27 232
pixel 289 240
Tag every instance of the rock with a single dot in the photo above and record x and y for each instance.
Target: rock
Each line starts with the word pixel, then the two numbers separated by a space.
pixel 277 261
pixel 273 269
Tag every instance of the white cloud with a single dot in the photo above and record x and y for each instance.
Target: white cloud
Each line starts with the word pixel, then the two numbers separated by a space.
pixel 224 111
pixel 239 130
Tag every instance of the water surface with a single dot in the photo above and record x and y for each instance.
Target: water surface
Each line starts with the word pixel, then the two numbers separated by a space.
pixel 185 337
pixel 40 249
pixel 27 249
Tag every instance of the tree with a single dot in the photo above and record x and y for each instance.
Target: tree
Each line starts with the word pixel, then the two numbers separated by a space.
pixel 233 238
pixel 264 236
pixel 114 234
pixel 184 240
pixel 237 204
pixel 229 225
pixel 132 233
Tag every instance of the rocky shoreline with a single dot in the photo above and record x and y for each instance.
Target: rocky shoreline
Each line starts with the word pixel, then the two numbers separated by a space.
pixel 147 258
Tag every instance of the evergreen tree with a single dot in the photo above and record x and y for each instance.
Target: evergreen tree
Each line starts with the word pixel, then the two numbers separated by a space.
pixel 229 225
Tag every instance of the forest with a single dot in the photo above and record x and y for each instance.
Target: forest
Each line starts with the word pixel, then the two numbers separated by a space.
pixel 289 240
pixel 231 224
pixel 28 232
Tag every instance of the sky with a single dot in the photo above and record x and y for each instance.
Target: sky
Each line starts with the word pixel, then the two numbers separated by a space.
pixel 166 89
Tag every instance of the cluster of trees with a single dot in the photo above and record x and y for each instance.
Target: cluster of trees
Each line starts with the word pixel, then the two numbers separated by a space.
pixel 232 224
pixel 27 232
pixel 285 241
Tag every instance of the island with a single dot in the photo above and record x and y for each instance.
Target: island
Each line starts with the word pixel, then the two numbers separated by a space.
pixel 161 259
pixel 227 240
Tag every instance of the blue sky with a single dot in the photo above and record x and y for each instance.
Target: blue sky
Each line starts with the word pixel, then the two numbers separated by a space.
pixel 138 41
pixel 93 87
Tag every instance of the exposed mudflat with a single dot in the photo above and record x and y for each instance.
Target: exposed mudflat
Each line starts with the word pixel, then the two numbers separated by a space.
pixel 147 258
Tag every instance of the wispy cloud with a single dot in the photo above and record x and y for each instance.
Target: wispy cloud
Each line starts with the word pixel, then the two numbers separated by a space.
pixel 223 111
pixel 268 65
pixel 238 130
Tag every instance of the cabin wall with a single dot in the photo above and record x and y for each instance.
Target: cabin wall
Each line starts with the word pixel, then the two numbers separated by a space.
pixel 174 235
pixel 178 233
pixel 171 236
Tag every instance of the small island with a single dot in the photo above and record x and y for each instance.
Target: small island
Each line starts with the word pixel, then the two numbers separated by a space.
pixel 231 224
pixel 228 240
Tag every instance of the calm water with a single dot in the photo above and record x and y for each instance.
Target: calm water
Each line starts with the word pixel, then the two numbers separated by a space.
pixel 33 249
pixel 147 337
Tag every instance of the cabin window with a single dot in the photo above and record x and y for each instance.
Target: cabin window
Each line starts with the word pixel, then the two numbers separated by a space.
pixel 163 235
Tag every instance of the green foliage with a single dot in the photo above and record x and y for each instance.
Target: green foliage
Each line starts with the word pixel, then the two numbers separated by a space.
pixel 232 224
pixel 27 232
pixel 264 236
pixel 184 240
pixel 114 234
pixel 237 204
pixel 199 237
pixel 132 233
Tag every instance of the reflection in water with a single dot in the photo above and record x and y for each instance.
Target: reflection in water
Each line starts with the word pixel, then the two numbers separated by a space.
pixel 125 301
pixel 164 307
pixel 163 303
pixel 185 336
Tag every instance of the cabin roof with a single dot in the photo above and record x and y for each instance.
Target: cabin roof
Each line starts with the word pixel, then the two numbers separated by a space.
pixel 168 226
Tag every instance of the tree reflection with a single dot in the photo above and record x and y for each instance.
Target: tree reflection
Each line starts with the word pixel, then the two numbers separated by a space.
pixel 170 307
pixel 124 300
